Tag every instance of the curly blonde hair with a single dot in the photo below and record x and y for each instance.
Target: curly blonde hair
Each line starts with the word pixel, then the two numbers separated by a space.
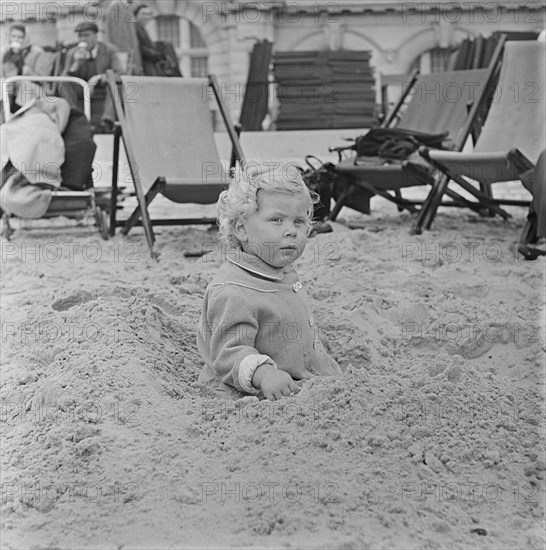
pixel 241 198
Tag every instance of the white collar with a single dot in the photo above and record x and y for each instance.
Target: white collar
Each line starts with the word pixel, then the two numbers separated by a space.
pixel 255 265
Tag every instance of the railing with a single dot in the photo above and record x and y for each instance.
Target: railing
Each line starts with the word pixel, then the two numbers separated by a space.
pixel 87 87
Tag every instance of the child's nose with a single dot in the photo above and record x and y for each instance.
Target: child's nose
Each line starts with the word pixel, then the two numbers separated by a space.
pixel 289 230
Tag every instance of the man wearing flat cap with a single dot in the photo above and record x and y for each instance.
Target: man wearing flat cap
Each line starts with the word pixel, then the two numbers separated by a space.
pixel 89 58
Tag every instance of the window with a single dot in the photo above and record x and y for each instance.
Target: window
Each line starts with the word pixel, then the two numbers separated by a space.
pixel 199 67
pixel 193 52
pixel 196 40
pixel 168 29
pixel 188 42
pixel 438 59
pixel 433 61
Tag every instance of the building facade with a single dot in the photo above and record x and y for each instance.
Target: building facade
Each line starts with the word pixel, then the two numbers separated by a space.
pixel 217 36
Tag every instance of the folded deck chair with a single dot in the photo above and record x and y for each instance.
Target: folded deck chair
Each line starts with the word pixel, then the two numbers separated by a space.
pixel 440 102
pixel 76 198
pixel 511 140
pixel 167 133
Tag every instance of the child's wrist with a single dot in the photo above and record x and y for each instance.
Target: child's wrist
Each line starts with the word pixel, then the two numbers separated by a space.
pixel 259 374
pixel 248 367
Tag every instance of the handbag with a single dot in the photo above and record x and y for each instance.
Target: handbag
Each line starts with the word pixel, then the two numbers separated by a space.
pixel 393 143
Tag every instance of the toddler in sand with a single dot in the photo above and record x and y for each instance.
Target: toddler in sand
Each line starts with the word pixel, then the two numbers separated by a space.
pixel 257 332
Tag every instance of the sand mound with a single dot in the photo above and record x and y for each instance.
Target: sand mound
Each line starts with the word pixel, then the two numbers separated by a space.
pixel 430 439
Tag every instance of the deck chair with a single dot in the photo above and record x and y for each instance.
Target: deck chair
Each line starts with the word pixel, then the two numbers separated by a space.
pixel 448 101
pixel 72 204
pixel 511 140
pixel 167 132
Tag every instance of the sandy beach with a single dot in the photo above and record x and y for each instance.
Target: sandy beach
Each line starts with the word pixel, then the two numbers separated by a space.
pixel 432 438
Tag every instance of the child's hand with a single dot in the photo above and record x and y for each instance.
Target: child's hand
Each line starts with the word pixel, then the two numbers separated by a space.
pixel 273 382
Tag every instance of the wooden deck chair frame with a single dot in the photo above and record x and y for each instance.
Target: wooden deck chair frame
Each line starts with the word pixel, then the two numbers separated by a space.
pixel 416 173
pixel 140 216
pixel 453 166
pixel 73 204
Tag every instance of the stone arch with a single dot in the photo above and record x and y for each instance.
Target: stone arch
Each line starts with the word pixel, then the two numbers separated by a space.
pixel 459 34
pixel 355 40
pixel 413 47
pixel 312 41
pixel 421 42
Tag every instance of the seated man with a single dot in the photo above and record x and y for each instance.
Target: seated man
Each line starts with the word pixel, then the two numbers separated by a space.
pixel 22 58
pixel 90 58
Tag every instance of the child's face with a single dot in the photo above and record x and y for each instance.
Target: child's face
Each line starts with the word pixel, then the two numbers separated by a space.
pixel 277 231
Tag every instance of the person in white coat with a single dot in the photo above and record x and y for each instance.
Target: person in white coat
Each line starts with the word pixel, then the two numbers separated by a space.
pixel 32 152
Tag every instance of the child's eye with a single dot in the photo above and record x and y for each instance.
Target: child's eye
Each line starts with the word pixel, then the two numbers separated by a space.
pixel 300 221
pixel 276 219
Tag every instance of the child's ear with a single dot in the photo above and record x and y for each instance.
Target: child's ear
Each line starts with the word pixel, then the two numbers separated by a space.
pixel 239 230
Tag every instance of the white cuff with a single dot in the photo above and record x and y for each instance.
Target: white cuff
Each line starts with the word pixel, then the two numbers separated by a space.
pixel 248 366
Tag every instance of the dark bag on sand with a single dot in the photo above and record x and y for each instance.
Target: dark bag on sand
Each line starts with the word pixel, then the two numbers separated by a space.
pixel 321 181
pixel 395 143
pixel 329 184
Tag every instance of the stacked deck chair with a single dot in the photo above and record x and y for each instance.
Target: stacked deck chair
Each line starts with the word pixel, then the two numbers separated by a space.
pixel 167 132
pixel 75 198
pixel 511 140
pixel 256 97
pixel 441 105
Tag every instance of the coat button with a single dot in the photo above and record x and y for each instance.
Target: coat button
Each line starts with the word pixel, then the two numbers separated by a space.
pixel 297 286
pixel 311 322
